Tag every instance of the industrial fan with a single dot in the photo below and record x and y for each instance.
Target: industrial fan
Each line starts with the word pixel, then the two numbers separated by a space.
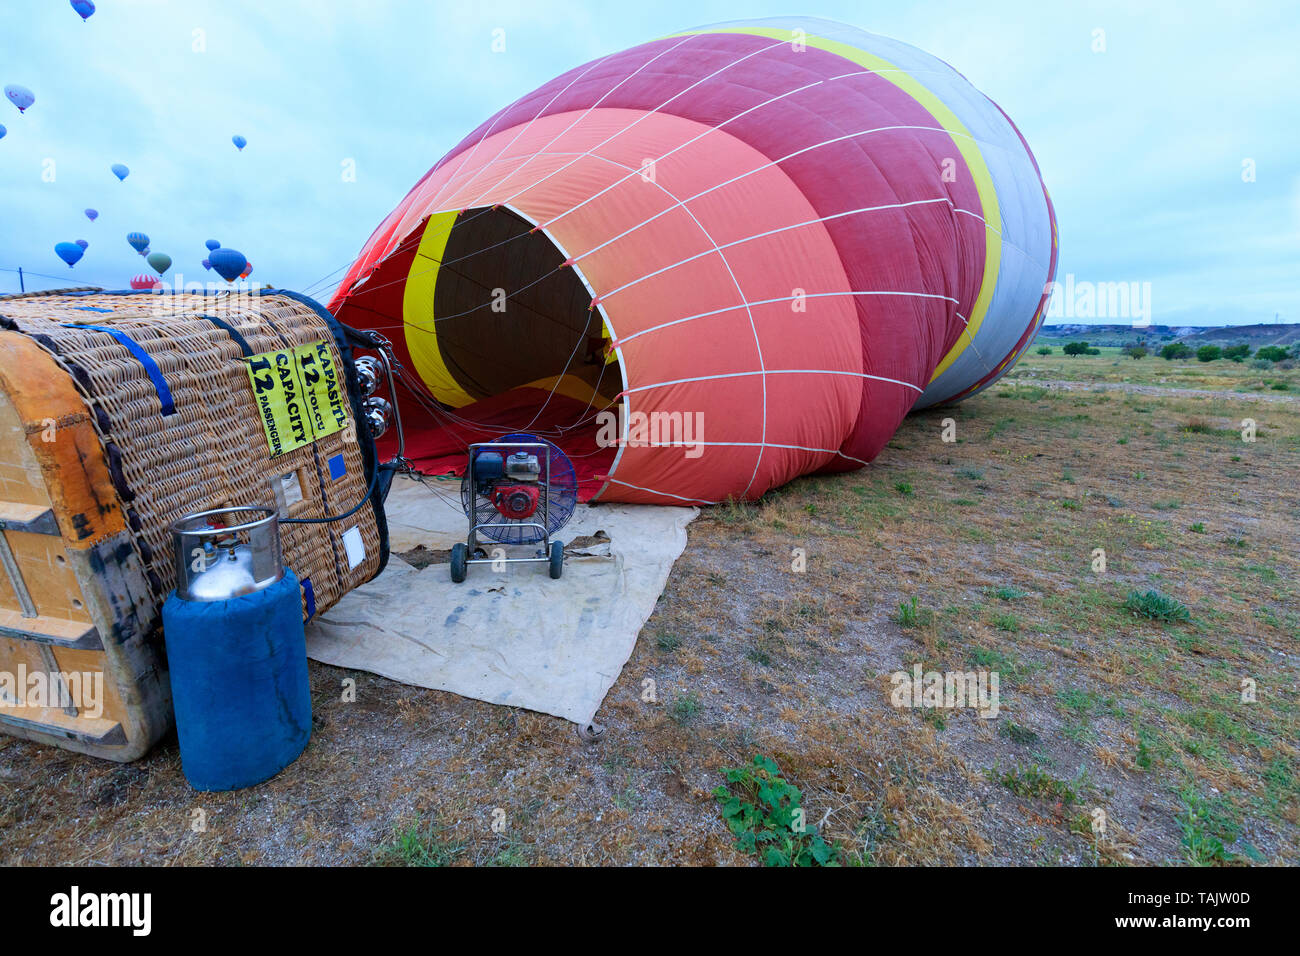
pixel 519 489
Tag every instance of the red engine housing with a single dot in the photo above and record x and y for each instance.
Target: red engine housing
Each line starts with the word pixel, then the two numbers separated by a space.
pixel 516 501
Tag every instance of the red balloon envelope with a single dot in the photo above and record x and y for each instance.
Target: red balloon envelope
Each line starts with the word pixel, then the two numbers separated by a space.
pixel 144 282
pixel 761 244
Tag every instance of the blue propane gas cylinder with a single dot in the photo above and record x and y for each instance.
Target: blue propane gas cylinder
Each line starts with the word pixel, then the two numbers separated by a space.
pixel 236 650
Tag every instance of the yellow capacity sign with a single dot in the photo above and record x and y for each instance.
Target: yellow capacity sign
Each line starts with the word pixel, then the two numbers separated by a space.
pixel 299 395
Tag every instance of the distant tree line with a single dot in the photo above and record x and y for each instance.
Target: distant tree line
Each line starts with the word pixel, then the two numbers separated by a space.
pixel 1234 353
pixel 1179 350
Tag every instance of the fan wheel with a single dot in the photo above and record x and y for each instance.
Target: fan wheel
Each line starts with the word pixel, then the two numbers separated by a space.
pixel 459 561
pixel 557 559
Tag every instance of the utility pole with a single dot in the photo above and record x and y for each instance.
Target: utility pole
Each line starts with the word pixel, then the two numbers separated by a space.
pixel 21 287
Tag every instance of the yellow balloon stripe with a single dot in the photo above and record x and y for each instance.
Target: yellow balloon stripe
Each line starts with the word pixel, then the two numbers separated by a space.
pixel 420 325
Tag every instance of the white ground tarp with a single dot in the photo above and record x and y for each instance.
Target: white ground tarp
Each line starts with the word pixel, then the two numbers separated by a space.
pixel 513 636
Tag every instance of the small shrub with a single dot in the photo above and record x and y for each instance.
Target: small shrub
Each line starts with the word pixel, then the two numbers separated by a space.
pixel 1209 353
pixel 1156 606
pixel 668 642
pixel 909 612
pixel 1036 782
pixel 1006 622
pixel 1175 350
pixel 1207 829
pixel 904 488
pixel 764 812
pixel 1045 350
pixel 685 708
pixel 418 844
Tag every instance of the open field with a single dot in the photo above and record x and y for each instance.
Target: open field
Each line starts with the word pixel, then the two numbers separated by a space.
pixel 975 554
pixel 1113 366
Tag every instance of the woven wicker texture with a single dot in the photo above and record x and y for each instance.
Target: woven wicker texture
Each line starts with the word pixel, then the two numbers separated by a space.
pixel 212 452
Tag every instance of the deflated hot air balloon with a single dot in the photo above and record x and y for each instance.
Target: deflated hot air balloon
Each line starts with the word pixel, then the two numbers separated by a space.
pixel 84 8
pixel 239 142
pixel 228 263
pixel 160 262
pixel 138 241
pixel 92 214
pixel 143 281
pixel 212 245
pixel 20 96
pixel 120 171
pixel 69 252
pixel 761 244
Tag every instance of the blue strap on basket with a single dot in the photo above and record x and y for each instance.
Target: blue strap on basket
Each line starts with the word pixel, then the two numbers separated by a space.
pixel 144 358
pixel 232 332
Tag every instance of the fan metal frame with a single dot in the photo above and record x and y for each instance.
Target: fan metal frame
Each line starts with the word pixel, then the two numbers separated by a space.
pixel 472 542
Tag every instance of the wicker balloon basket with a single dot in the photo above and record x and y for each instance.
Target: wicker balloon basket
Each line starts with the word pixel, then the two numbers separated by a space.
pixel 121 413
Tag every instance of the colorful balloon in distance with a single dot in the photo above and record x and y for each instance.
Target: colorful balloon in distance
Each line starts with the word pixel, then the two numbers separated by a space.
pixel 20 96
pixel 120 171
pixel 83 243
pixel 92 214
pixel 248 270
pixel 212 245
pixel 84 9
pixel 228 263
pixel 160 262
pixel 239 141
pixel 143 281
pixel 139 241
pixel 206 263
pixel 69 252
pixel 2 132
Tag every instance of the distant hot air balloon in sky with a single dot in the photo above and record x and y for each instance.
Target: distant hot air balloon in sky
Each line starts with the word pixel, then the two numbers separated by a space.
pixel 229 263
pixel 160 262
pixel 2 132
pixel 239 141
pixel 248 270
pixel 84 8
pixel 120 171
pixel 69 252
pixel 139 241
pixel 206 263
pixel 83 243
pixel 92 214
pixel 143 281
pixel 212 244
pixel 20 96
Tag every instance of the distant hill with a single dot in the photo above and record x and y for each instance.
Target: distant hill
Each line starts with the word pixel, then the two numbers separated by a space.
pixel 1121 335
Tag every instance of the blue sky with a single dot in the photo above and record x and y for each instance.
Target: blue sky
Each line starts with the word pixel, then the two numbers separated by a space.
pixel 1142 145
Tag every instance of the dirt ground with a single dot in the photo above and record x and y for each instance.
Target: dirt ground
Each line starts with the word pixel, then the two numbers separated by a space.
pixel 1119 738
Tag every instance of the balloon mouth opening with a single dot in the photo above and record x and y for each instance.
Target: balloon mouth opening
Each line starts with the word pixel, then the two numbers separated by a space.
pixel 503 334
